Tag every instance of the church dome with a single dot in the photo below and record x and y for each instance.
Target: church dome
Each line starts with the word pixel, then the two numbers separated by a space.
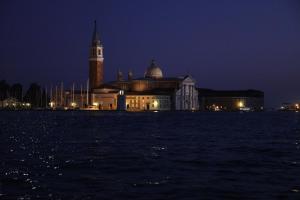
pixel 153 71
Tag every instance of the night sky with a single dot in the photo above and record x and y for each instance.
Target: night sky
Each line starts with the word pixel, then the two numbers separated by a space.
pixel 222 44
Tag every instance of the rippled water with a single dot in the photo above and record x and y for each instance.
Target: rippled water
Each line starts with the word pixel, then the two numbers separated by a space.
pixel 165 155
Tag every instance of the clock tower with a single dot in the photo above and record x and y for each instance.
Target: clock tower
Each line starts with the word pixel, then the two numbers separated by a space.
pixel 96 61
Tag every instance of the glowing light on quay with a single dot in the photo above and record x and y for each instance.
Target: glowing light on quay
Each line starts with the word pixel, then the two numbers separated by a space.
pixel 241 104
pixel 155 103
pixel 52 104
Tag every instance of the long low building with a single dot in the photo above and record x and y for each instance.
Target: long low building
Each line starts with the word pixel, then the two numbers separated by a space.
pixel 230 100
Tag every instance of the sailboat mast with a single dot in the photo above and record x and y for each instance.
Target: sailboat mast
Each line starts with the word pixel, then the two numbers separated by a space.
pixel 73 86
pixel 81 97
pixel 46 97
pixel 56 96
pixel 51 98
pixel 61 93
pixel 41 103
pixel 87 92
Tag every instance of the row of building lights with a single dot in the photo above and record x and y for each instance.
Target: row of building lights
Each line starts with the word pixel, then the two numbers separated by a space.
pixel 240 105
pixel 291 107
pixel 15 104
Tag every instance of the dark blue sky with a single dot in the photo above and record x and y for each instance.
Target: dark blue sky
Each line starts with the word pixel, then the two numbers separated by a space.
pixel 228 44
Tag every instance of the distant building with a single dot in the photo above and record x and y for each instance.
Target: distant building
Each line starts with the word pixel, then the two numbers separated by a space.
pixel 13 103
pixel 290 107
pixel 105 97
pixel 151 92
pixel 231 100
pixel 10 103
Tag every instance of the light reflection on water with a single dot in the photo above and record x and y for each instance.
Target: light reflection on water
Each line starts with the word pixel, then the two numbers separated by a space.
pixel 165 155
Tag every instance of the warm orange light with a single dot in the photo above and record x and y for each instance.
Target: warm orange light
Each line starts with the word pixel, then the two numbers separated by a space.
pixel 241 104
pixel 52 104
pixel 155 103
pixel 217 108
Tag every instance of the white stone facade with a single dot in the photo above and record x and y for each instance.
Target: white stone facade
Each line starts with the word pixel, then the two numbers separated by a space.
pixel 186 97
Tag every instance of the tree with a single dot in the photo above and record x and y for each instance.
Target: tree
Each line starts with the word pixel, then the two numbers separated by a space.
pixel 4 91
pixel 33 95
pixel 16 91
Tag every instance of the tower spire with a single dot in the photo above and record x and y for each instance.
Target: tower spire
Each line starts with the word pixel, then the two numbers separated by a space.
pixel 95 39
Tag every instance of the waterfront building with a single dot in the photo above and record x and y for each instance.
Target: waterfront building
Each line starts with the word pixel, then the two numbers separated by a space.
pixel 105 97
pixel 290 107
pixel 170 93
pixel 153 91
pixel 147 93
pixel 231 100
pixel 10 103
pixel 14 103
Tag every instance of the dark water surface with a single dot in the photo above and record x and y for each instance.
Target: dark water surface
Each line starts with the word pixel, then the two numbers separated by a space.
pixel 166 155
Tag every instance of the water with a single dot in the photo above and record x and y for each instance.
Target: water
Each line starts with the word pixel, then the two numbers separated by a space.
pixel 164 155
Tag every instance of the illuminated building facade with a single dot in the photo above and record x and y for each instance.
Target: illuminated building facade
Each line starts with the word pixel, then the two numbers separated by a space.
pixel 144 102
pixel 290 107
pixel 153 91
pixel 169 93
pixel 11 103
pixel 187 95
pixel 105 97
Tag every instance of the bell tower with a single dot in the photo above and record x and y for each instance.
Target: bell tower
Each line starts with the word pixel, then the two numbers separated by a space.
pixel 96 61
